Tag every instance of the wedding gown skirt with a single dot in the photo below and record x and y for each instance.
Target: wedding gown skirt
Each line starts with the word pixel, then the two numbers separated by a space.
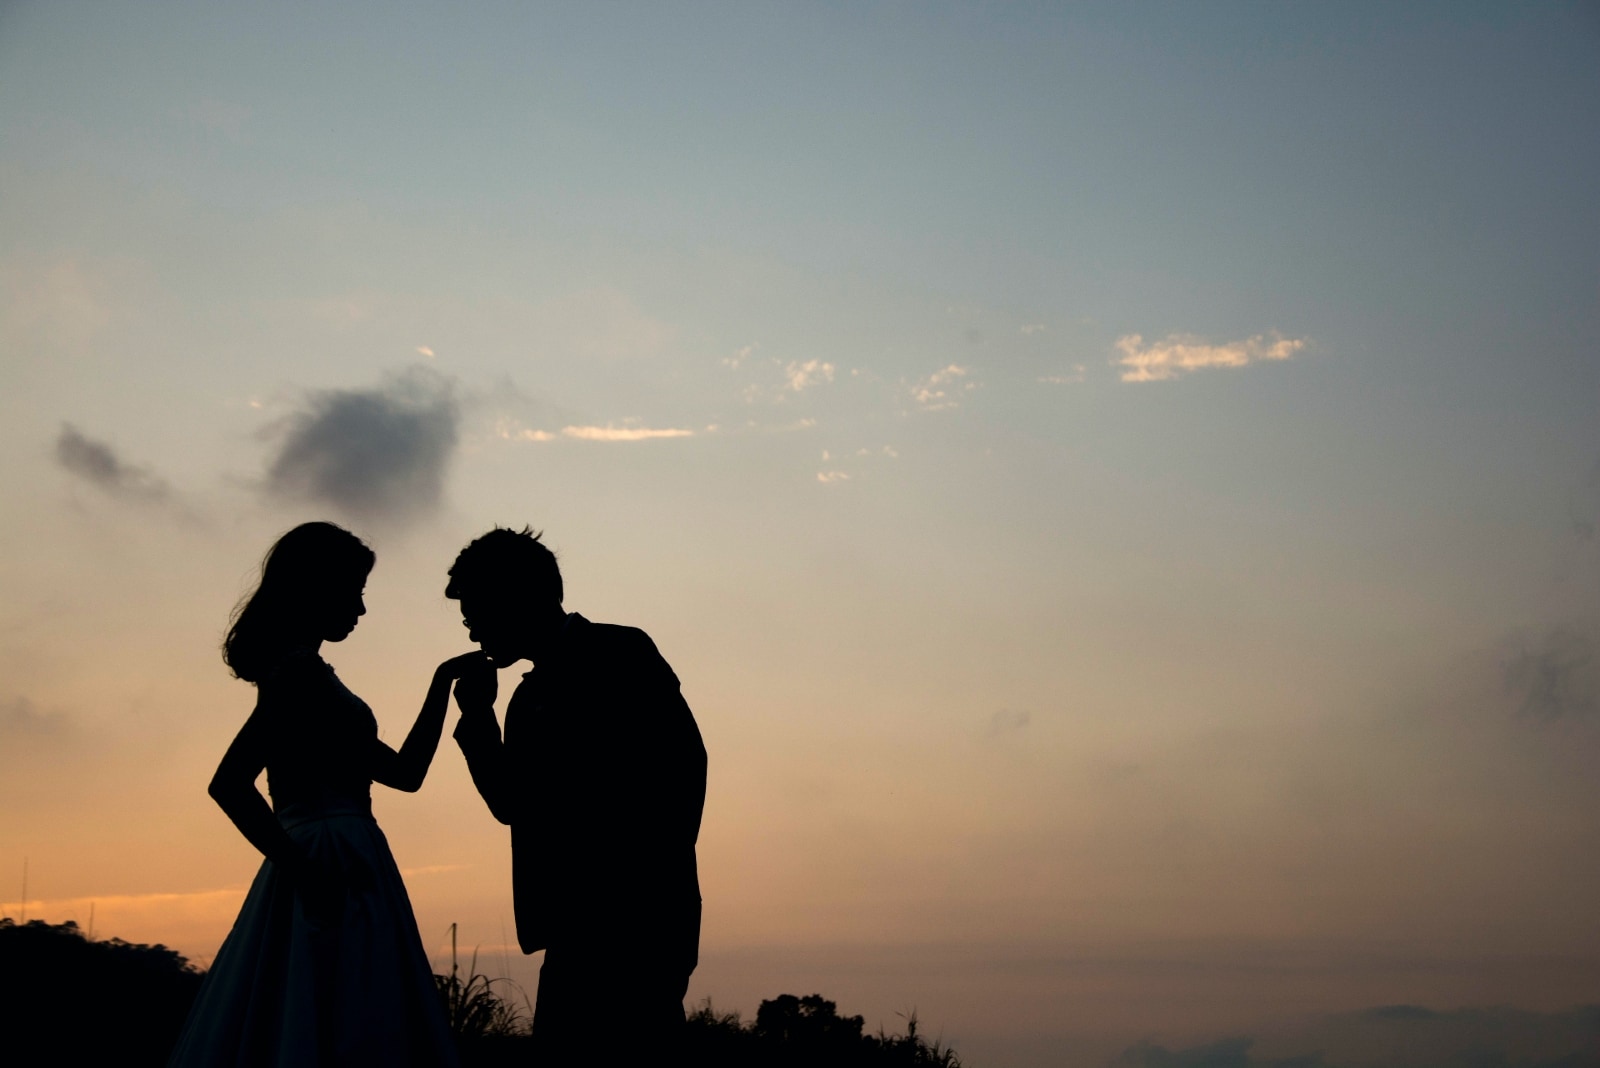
pixel 290 991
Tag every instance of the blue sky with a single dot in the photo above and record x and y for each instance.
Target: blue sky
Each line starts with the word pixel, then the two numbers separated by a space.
pixel 812 335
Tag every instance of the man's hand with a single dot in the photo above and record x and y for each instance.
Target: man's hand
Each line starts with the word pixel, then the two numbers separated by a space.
pixel 477 683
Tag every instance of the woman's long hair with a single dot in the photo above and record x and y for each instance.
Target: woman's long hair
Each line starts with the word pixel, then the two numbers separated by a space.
pixel 299 570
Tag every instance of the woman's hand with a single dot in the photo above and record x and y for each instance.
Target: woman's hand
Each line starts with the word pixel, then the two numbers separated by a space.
pixel 477 683
pixel 458 666
pixel 323 887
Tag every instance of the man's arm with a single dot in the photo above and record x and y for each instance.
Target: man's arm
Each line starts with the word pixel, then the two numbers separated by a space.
pixel 478 735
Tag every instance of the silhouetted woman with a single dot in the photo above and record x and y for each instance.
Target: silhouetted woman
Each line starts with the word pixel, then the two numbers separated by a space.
pixel 324 965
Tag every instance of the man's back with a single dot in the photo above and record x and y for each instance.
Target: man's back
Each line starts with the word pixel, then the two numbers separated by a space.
pixel 613 774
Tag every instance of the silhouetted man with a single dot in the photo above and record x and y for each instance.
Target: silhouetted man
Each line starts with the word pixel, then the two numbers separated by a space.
pixel 601 775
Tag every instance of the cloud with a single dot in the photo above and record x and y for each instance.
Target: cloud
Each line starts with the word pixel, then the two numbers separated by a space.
pixel 33 741
pixel 1398 1036
pixel 943 388
pixel 21 718
pixel 98 464
pixel 623 433
pixel 1077 374
pixel 1008 720
pixel 1179 354
pixel 508 430
pixel 826 477
pixel 220 117
pixel 1585 509
pixel 799 376
pixel 374 454
pixel 1029 329
pixel 626 432
pixel 1227 1053
pixel 1551 673
pixel 433 869
pixel 743 354
pixel 525 434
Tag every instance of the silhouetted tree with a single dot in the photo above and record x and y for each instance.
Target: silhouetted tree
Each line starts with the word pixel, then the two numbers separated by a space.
pixel 84 1002
pixel 806 1032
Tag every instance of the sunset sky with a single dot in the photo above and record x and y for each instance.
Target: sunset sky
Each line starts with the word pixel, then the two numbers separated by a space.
pixel 1120 484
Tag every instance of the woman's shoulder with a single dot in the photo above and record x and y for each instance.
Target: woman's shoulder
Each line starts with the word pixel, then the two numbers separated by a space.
pixel 294 671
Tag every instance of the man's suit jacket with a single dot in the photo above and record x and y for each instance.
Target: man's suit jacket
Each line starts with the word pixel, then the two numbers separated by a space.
pixel 601 775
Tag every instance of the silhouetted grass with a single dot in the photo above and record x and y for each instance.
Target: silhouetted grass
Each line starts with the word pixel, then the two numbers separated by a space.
pixel 490 1029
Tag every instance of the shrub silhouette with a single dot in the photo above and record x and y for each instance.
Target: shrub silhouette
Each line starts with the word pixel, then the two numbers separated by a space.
pixel 805 1032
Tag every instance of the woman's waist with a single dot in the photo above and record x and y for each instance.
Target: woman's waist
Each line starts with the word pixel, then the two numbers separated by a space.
pixel 303 810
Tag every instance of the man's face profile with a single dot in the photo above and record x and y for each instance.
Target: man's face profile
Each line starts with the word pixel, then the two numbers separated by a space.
pixel 493 624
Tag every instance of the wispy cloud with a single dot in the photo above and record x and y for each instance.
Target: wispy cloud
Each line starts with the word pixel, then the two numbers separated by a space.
pixel 1179 354
pixel 1075 374
pixel 220 117
pixel 21 718
pixel 375 454
pixel 1584 510
pixel 98 464
pixel 508 431
pixel 1393 1036
pixel 624 433
pixel 799 376
pixel 526 434
pixel 943 388
pixel 1007 721
pixel 740 355
pixel 844 465
pixel 433 869
pixel 1553 673
pixel 140 917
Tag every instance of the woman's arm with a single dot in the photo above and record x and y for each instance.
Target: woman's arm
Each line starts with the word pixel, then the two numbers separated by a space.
pixel 233 788
pixel 406 769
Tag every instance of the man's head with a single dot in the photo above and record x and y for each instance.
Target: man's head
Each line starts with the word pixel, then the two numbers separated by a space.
pixel 509 586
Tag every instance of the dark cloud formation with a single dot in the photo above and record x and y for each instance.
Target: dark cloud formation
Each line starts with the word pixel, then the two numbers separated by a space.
pixel 1228 1053
pixel 1007 720
pixel 21 718
pixel 1402 1036
pixel 98 464
pixel 31 743
pixel 373 454
pixel 1551 673
pixel 1584 511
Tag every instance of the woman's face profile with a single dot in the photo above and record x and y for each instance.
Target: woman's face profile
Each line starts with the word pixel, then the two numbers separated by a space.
pixel 342 609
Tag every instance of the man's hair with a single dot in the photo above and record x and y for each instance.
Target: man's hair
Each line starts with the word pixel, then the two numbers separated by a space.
pixel 506 560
